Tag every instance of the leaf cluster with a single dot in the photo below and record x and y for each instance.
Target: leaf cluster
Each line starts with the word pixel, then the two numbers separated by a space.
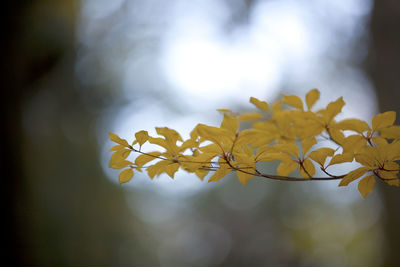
pixel 289 132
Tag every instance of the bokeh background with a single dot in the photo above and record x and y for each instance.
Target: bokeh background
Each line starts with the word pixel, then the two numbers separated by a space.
pixel 73 70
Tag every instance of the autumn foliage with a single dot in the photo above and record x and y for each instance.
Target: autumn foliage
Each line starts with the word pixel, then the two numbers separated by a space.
pixel 288 132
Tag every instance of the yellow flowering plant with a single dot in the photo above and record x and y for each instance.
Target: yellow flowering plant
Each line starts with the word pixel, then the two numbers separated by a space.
pixel 287 132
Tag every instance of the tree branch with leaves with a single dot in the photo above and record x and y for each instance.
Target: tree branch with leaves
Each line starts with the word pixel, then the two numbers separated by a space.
pixel 288 132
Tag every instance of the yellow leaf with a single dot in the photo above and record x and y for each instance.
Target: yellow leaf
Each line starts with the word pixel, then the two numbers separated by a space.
pixel 308 128
pixel 383 120
pixel 201 173
pixel 171 169
pixel 395 182
pixel 190 143
pixel 353 175
pixel 254 137
pixel 366 158
pixel 117 147
pixel 157 169
pixel 387 175
pixel 289 148
pixel 169 134
pixel 307 170
pixel 145 158
pixel 392 166
pixel 333 109
pixel 141 137
pixel 274 156
pixel 311 97
pixel 306 144
pixel 277 107
pixel 158 141
pixel 224 110
pixel 244 177
pixel 293 100
pixel 321 154
pixel 265 149
pixel 119 163
pixel 391 132
pixel 215 134
pixel 352 125
pixel 393 152
pixel 366 185
pixel 336 135
pixel 230 123
pixel 125 176
pixel 353 143
pixel 259 104
pixel 220 173
pixel 250 116
pixel 115 138
pixel 286 167
pixel 341 158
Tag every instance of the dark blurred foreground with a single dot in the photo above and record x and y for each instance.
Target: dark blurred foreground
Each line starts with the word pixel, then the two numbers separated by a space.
pixel 60 210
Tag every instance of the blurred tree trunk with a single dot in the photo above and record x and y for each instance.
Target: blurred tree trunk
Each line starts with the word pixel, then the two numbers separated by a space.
pixel 59 209
pixel 384 68
pixel 10 132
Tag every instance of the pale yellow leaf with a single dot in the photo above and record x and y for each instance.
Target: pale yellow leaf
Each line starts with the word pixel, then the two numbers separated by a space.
pixel 353 143
pixel 169 134
pixel 321 154
pixel 125 176
pixel 289 148
pixel 215 134
pixel 265 149
pixel 115 138
pixel 306 144
pixel 157 169
pixel 307 170
pixel 171 169
pixel 333 109
pixel 352 125
pixel 141 137
pixel 259 104
pixel 366 185
pixel 254 137
pixel 391 132
pixel 293 100
pixel 286 168
pixel 366 158
pixel 387 175
pixel 224 110
pixel 311 97
pixel 188 144
pixel 244 177
pixel 145 158
pixel 117 147
pixel 201 173
pixel 353 175
pixel 383 120
pixel 220 173
pixel 230 123
pixel 395 182
pixel 336 135
pixel 277 107
pixel 341 158
pixel 120 163
pixel 274 157
pixel 393 153
pixel 250 116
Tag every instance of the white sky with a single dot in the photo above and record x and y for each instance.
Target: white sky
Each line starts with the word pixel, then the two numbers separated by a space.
pixel 202 67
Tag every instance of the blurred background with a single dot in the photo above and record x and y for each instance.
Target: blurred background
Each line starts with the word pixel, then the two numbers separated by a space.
pixel 72 71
